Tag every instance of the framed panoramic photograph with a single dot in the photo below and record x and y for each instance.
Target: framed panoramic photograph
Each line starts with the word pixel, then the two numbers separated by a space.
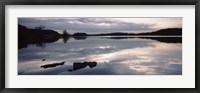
pixel 99 46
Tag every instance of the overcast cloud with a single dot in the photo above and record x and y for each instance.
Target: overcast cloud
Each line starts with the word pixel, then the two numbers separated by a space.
pixel 97 24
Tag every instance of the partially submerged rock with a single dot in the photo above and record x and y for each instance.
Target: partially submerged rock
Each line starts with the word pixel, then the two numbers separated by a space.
pixel 52 65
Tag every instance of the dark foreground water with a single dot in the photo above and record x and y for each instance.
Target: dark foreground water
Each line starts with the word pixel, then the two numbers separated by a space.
pixel 103 56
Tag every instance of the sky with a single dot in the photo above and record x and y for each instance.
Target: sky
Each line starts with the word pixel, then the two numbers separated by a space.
pixel 102 25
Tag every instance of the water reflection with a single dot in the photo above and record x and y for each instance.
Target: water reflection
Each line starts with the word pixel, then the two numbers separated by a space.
pixel 41 43
pixel 114 56
pixel 80 37
pixel 160 39
pixel 65 39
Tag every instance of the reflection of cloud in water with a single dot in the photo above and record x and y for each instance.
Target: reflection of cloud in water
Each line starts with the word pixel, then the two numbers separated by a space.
pixel 105 69
pixel 31 68
pixel 105 47
pixel 93 44
pixel 146 60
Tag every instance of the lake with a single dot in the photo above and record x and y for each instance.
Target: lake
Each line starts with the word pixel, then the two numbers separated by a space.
pixel 103 56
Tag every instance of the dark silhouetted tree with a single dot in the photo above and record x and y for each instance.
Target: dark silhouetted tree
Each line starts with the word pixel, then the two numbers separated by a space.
pixel 65 33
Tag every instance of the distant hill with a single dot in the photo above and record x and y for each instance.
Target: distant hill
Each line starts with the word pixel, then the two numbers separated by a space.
pixel 24 31
pixel 168 31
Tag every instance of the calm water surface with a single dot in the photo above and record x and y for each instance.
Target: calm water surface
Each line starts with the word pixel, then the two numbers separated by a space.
pixel 102 56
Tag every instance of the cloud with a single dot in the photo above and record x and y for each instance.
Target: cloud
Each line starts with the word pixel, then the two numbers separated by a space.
pixel 85 24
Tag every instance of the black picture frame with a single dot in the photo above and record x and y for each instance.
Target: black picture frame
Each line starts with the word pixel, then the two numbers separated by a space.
pixel 98 2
